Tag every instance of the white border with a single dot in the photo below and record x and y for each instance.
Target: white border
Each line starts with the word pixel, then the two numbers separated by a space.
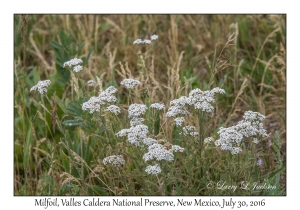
pixel 8 8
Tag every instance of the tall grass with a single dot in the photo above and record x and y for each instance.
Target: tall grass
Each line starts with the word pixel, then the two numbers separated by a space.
pixel 59 148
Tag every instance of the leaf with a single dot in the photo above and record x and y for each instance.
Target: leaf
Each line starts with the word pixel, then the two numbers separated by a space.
pixel 276 172
pixel 61 104
pixel 64 73
pixel 26 148
pixel 80 47
pixel 74 108
pixel 88 56
pixel 72 123
pixel 96 190
pixel 56 45
pixel 62 37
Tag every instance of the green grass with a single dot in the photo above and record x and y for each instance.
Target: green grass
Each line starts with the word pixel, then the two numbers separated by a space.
pixel 246 59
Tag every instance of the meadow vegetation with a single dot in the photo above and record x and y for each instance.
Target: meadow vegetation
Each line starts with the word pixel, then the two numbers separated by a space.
pixel 149 104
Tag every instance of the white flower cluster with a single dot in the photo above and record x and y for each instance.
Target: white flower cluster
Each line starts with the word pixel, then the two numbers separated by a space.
pixel 158 152
pixel 153 169
pixel 77 68
pixel 130 83
pixel 149 141
pixel 208 139
pixel 250 126
pixel 158 106
pixel 197 98
pixel 115 160
pixel 177 107
pixel 41 86
pixel 94 103
pixel 154 37
pixel 146 41
pixel 176 148
pixel 189 131
pixel 179 121
pixel 114 109
pixel 91 83
pixel 202 99
pixel 136 110
pixel 134 134
pixel 136 121
pixel 74 62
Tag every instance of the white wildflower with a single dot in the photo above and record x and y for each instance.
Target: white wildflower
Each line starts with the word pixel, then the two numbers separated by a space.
pixel 173 111
pixel 115 160
pixel 107 96
pixel 176 148
pixel 177 107
pixel 208 139
pixel 250 126
pixel 179 121
pixel 154 37
pixel 123 132
pixel 189 131
pixel 235 150
pixel 138 41
pixel 147 41
pixel 202 99
pixel 255 141
pixel 94 103
pixel 158 152
pixel 73 62
pixel 114 109
pixel 136 121
pixel 149 141
pixel 153 169
pixel 135 134
pixel 41 86
pixel 130 83
pixel 158 106
pixel 77 68
pixel 91 83
pixel 136 110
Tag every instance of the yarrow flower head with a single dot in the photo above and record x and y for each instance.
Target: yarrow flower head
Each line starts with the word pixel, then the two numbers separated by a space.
pixel 115 160
pixel 72 62
pixel 176 148
pixel 189 131
pixel 149 141
pixel 155 169
pixel 77 68
pixel 130 83
pixel 91 83
pixel 158 106
pixel 208 139
pixel 134 134
pixel 179 121
pixel 136 110
pixel 94 103
pixel 158 152
pixel 145 41
pixel 138 41
pixel 202 99
pixel 154 37
pixel 136 121
pixel 250 126
pixel 177 107
pixel 114 109
pixel 41 86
